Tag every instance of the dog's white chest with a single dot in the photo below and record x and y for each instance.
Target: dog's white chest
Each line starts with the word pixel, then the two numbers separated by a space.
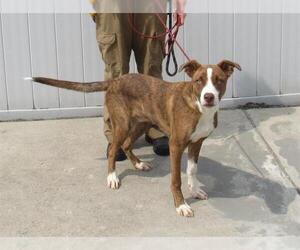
pixel 204 127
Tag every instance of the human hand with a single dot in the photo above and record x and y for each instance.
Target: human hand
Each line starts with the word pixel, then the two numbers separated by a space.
pixel 179 12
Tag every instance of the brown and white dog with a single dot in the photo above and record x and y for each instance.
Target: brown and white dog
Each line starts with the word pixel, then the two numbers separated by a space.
pixel 186 112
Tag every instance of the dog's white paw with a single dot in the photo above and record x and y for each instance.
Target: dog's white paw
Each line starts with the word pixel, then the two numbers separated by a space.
pixel 198 193
pixel 144 166
pixel 113 181
pixel 185 210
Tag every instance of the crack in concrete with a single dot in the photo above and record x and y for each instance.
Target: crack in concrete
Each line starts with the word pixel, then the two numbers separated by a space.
pixel 247 156
pixel 269 148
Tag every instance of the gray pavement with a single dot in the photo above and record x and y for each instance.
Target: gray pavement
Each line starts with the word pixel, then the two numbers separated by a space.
pixel 53 181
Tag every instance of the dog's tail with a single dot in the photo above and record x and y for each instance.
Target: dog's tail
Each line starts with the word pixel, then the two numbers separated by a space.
pixel 77 86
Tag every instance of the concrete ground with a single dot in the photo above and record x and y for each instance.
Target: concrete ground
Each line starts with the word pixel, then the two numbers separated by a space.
pixel 53 181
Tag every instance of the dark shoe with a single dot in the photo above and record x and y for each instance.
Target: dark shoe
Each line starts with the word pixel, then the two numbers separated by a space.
pixel 120 156
pixel 161 146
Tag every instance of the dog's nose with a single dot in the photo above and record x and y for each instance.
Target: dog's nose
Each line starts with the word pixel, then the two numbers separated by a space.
pixel 209 98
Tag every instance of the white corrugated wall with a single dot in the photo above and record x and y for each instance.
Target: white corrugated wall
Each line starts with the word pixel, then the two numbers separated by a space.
pixel 64 46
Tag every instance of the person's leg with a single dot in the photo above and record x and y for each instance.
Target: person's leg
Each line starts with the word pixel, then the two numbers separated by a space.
pixel 149 55
pixel 114 40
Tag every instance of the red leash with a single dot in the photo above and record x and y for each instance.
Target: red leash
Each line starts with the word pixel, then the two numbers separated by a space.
pixel 130 21
pixel 171 32
pixel 172 36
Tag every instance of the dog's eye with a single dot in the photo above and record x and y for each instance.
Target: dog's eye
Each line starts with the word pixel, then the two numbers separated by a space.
pixel 200 80
pixel 219 81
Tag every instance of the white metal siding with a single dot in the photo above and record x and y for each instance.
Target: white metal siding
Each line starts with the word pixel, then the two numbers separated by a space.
pixel 63 45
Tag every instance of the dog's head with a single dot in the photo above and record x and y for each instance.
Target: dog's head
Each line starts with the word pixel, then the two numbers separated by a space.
pixel 212 79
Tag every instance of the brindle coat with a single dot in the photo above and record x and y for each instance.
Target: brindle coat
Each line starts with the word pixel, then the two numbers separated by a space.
pixel 136 102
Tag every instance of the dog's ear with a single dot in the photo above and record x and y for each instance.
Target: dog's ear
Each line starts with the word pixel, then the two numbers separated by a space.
pixel 228 67
pixel 190 67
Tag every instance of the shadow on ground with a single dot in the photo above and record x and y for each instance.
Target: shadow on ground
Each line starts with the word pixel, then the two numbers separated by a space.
pixel 222 181
pixel 227 181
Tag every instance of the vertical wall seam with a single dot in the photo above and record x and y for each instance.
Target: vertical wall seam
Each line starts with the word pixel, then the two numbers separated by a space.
pixel 281 51
pixel 82 52
pixel 185 43
pixel 83 57
pixel 185 47
pixel 4 63
pixel 207 19
pixel 30 57
pixel 232 17
pixel 234 92
pixel 257 52
pixel 208 52
pixel 209 38
pixel 55 46
pixel 208 32
pixel 233 37
pixel 56 49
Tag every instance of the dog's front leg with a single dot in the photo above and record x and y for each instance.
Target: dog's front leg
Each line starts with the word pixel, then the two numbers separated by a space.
pixel 193 182
pixel 182 208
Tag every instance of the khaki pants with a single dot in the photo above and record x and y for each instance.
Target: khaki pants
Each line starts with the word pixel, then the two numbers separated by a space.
pixel 116 41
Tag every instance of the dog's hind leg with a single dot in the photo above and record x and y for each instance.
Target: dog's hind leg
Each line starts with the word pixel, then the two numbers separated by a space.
pixel 136 131
pixel 137 163
pixel 119 135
